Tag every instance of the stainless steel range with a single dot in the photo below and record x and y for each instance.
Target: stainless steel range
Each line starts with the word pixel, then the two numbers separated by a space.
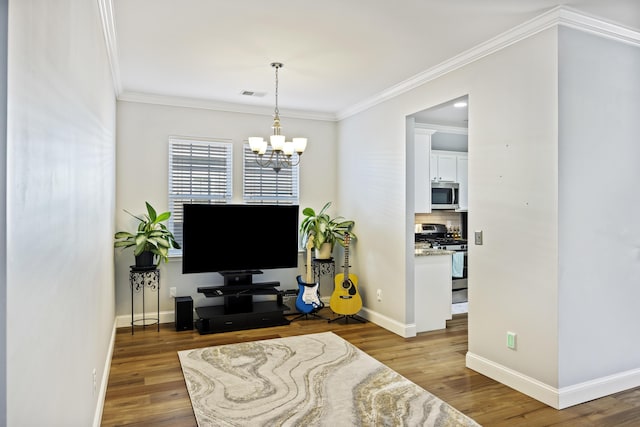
pixel 437 236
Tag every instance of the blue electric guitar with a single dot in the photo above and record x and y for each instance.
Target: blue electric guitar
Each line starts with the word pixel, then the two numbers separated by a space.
pixel 308 298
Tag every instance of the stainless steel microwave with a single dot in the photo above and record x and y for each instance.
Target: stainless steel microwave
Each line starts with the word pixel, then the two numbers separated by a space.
pixel 445 195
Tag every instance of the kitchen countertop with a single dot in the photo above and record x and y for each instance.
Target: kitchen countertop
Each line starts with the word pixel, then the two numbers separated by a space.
pixel 425 250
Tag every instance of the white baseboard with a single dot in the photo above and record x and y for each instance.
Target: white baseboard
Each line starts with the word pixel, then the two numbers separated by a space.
pixel 402 329
pixel 556 398
pixel 125 320
pixel 523 383
pixel 97 417
pixel 599 387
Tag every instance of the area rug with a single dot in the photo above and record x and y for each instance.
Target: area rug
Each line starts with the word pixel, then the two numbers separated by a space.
pixel 309 380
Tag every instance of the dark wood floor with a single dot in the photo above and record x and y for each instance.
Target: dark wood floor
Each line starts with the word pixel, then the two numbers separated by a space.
pixel 146 386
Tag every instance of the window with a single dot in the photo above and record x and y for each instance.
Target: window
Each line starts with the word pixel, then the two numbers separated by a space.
pixel 264 185
pixel 199 172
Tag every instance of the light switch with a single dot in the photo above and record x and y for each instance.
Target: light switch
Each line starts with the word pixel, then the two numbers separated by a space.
pixel 478 237
pixel 511 340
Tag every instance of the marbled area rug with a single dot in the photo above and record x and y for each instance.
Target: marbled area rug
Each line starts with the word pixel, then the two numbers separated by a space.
pixel 309 380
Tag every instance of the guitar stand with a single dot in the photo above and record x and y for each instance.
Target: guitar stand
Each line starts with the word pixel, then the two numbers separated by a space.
pixel 346 318
pixel 306 316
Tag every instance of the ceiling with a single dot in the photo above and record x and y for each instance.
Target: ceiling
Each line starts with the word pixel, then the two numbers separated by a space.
pixel 448 114
pixel 336 53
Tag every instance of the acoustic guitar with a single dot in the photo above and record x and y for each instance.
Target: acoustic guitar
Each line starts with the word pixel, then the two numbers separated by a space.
pixel 308 299
pixel 345 298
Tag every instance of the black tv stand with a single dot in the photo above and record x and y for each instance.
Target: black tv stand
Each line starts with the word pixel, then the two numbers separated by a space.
pixel 239 277
pixel 239 311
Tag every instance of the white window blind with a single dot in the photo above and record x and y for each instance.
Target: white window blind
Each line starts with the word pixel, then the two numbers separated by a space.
pixel 199 172
pixel 264 185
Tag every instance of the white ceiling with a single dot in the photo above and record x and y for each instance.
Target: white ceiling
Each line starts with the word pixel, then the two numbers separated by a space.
pixel 336 53
pixel 446 114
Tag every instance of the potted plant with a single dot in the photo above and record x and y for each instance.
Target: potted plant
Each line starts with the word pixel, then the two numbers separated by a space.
pixel 152 239
pixel 326 231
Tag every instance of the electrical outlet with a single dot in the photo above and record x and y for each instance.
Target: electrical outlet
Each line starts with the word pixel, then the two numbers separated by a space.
pixel 511 340
pixel 95 381
pixel 379 294
pixel 172 292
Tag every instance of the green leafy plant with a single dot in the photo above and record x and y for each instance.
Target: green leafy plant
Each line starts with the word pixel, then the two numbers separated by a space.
pixel 323 228
pixel 152 235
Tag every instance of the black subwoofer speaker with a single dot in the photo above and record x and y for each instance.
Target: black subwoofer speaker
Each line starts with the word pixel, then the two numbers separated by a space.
pixel 184 313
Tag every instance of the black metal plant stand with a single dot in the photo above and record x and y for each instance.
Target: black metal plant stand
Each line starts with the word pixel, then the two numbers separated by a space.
pixel 140 278
pixel 322 267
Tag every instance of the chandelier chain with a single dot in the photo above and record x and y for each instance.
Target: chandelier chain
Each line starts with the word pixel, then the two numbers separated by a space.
pixel 281 151
pixel 277 110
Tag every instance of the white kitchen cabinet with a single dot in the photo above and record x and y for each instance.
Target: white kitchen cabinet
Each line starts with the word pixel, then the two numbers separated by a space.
pixel 462 178
pixel 443 167
pixel 432 292
pixel 452 166
pixel 422 196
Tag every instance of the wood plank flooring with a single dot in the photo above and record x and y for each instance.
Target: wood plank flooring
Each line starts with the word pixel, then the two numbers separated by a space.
pixel 146 386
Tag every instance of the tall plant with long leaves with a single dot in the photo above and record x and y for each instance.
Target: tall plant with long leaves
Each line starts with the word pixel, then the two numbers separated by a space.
pixel 323 228
pixel 152 235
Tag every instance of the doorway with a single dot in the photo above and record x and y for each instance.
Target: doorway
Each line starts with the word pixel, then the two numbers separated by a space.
pixel 447 125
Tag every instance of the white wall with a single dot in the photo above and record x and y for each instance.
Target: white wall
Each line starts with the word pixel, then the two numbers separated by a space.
pixel 3 211
pixel 143 132
pixel 60 209
pixel 599 231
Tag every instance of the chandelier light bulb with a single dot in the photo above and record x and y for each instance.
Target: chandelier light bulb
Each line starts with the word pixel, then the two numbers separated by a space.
pixel 277 142
pixel 299 145
pixel 288 148
pixel 257 144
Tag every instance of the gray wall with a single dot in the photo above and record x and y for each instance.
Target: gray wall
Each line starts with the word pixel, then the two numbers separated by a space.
pixel 450 142
pixel 377 183
pixel 3 212
pixel 553 131
pixel 599 206
pixel 144 130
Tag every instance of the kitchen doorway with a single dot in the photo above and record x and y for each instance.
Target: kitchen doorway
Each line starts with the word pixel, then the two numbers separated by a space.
pixel 447 126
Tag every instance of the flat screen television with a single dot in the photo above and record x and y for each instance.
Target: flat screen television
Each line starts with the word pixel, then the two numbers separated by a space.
pixel 239 239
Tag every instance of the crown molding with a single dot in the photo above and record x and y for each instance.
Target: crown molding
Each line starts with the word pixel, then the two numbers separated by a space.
pixel 559 15
pixel 423 130
pixel 175 101
pixel 574 19
pixel 110 40
pixel 442 128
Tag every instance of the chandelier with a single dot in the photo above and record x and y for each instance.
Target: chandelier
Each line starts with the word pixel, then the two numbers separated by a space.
pixel 281 150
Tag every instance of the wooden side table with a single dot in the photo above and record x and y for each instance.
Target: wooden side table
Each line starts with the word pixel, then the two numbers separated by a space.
pixel 140 278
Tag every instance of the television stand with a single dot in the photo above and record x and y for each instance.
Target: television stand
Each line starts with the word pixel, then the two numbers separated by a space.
pixel 239 277
pixel 239 311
